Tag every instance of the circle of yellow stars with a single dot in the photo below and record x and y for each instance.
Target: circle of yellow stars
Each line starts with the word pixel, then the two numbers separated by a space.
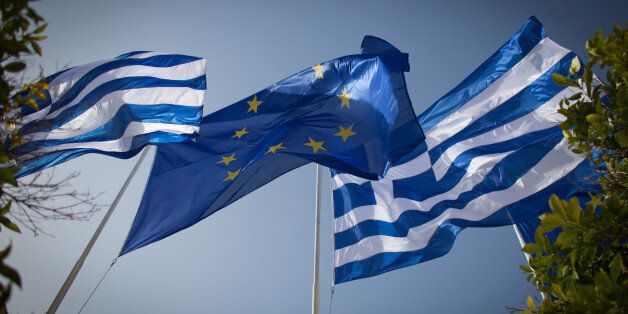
pixel 253 106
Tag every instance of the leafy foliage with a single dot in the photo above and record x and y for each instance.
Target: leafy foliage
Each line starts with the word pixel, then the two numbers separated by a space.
pixel 20 32
pixel 584 269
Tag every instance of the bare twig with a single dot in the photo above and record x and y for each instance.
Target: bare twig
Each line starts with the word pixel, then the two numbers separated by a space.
pixel 42 197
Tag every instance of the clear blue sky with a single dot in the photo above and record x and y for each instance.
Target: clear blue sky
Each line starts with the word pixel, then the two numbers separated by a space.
pixel 256 255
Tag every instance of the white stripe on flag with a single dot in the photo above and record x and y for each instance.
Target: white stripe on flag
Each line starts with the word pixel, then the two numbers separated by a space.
pixel 107 107
pixel 541 118
pixel 411 168
pixel 123 144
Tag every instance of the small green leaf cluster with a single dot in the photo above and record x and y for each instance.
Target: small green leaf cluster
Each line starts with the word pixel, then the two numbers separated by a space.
pixel 584 269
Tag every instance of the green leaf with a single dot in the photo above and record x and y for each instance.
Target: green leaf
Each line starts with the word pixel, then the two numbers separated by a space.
pixel 575 66
pixel 532 248
pixel 609 77
pixel 11 274
pixel 588 78
pixel 622 138
pixel 558 291
pixel 565 238
pixel 7 176
pixel 551 222
pixel 40 29
pixel 575 96
pixel 594 118
pixel 563 81
pixel 556 204
pixel 538 235
pixel 616 267
pixel 602 279
pixel 5 209
pixel 7 271
pixel 4 253
pixel 525 268
pixel 9 224
pixel 530 303
pixel 573 209
pixel 15 66
pixel 36 48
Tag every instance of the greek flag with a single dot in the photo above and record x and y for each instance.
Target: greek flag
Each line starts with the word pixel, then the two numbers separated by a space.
pixel 493 155
pixel 113 107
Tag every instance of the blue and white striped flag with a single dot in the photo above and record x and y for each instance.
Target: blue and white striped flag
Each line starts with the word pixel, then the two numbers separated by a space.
pixel 113 107
pixel 493 155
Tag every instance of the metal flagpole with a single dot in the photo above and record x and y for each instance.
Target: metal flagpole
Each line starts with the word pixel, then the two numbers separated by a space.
pixel 317 245
pixel 332 288
pixel 79 263
pixel 522 242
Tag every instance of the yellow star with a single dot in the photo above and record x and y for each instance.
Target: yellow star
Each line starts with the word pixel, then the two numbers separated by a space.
pixel 240 133
pixel 318 70
pixel 316 146
pixel 232 175
pixel 274 149
pixel 253 104
pixel 346 132
pixel 344 99
pixel 227 159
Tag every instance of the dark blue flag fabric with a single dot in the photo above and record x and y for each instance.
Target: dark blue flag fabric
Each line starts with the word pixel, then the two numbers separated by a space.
pixel 352 114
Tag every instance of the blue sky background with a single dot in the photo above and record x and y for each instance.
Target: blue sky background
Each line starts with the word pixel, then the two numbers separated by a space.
pixel 255 256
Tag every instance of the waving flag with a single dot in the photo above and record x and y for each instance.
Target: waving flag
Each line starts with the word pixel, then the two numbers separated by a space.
pixel 351 113
pixel 113 107
pixel 493 155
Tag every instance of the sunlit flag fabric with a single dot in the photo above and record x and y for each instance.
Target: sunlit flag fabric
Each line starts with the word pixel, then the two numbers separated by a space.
pixel 113 107
pixel 493 155
pixel 351 113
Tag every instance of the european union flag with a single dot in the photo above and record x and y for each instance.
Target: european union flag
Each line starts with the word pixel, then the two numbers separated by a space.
pixel 352 114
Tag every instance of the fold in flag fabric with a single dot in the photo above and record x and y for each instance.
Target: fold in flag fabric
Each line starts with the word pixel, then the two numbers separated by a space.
pixel 493 155
pixel 113 107
pixel 351 113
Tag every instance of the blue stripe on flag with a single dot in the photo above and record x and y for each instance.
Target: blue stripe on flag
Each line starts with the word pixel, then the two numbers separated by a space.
pixel 130 54
pixel 352 195
pixel 96 94
pixel 493 68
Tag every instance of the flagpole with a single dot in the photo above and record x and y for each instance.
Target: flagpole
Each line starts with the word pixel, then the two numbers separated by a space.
pixel 522 242
pixel 317 245
pixel 79 263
